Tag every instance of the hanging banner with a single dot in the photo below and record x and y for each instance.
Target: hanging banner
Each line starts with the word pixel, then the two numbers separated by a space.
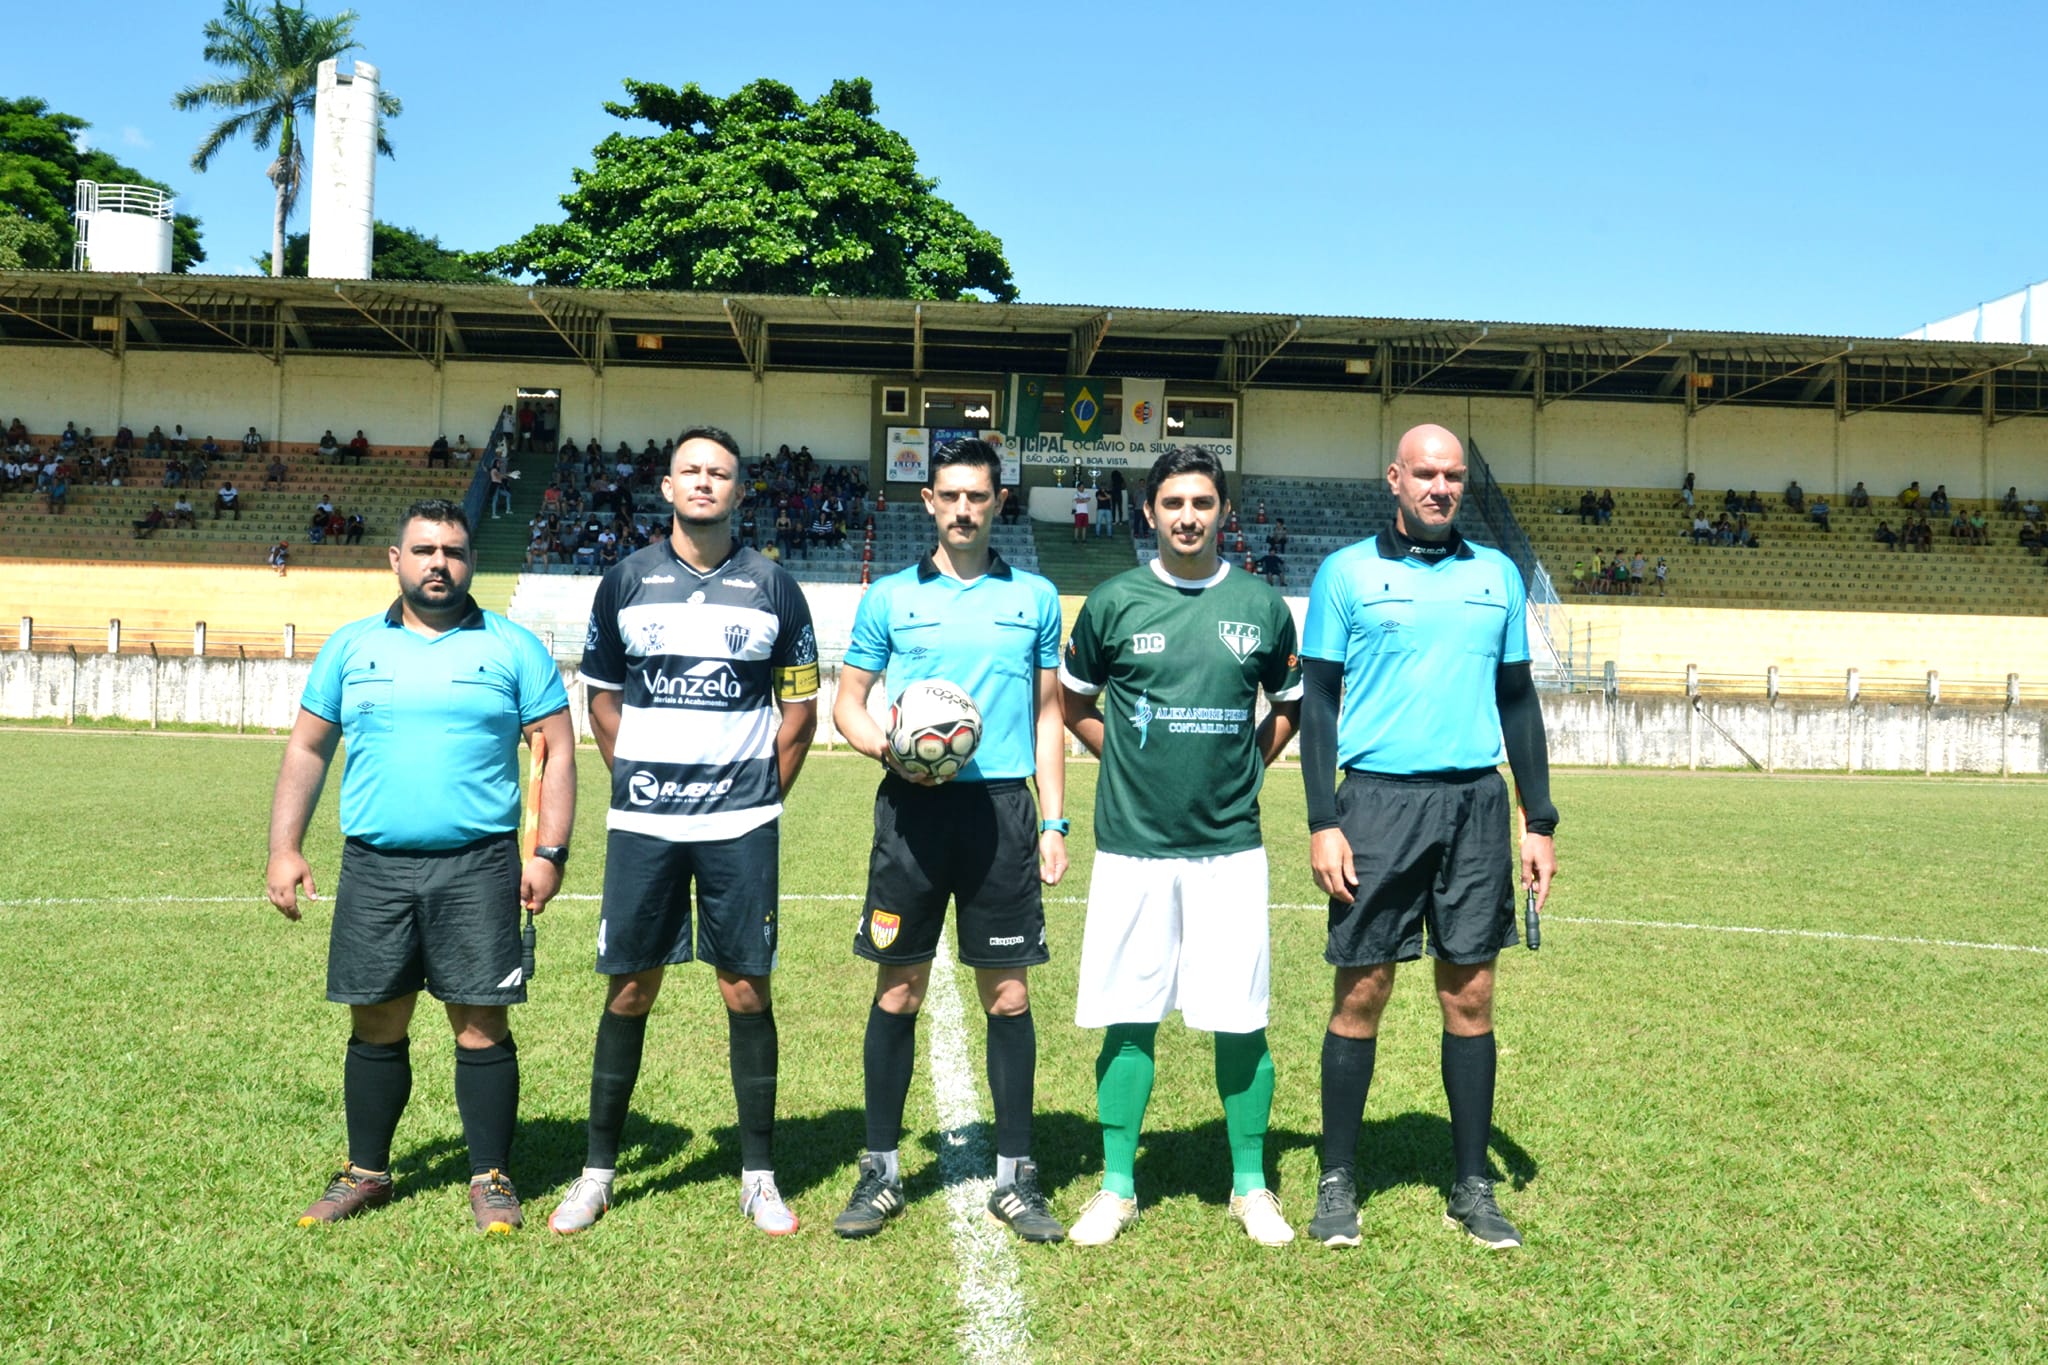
pixel 1084 409
pixel 908 456
pixel 1144 409
pixel 1027 402
pixel 1013 468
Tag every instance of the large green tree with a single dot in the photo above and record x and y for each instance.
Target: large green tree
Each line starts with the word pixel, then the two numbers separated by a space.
pixel 42 159
pixel 272 54
pixel 760 192
pixel 398 253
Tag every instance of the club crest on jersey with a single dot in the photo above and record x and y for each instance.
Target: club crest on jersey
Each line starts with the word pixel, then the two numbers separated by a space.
pixel 882 927
pixel 1241 636
pixel 735 638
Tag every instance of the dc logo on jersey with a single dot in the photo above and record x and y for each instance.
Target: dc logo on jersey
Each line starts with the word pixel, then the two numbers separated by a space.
pixel 1148 642
pixel 735 638
pixel 1242 637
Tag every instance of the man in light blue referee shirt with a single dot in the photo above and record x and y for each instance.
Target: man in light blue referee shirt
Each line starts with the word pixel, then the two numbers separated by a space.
pixel 1423 635
pixel 961 614
pixel 432 697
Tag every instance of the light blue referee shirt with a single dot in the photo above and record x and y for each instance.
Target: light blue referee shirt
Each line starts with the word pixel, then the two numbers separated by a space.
pixel 1421 646
pixel 989 636
pixel 432 725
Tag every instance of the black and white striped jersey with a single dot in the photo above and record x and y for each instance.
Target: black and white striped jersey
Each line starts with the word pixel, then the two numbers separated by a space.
pixel 701 660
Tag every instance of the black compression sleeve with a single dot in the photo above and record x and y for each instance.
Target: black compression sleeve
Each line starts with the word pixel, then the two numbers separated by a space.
pixel 1322 683
pixel 1521 726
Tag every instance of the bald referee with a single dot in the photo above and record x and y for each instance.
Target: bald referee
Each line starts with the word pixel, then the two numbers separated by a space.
pixel 1415 663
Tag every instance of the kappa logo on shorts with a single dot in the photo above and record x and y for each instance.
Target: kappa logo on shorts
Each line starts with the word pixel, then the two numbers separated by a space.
pixel 1241 636
pixel 882 927
pixel 1013 941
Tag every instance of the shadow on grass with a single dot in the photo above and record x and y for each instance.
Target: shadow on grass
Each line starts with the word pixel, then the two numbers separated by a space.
pixel 547 1155
pixel 809 1148
pixel 1415 1149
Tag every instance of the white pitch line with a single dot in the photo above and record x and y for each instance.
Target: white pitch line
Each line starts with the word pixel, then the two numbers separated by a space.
pixel 995 1329
pixel 1829 935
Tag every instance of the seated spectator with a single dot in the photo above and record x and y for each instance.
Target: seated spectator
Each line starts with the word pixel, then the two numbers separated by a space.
pixel 748 526
pixel 1731 502
pixel 1909 496
pixel 608 551
pixel 462 450
pixel 330 449
pixel 1958 527
pixel 252 444
pixel 176 440
pixel 2031 510
pixel 210 447
pixel 316 529
pixel 1753 505
pixel 124 437
pixel 1937 501
pixel 1979 529
pixel 1795 496
pixel 786 537
pixel 1702 529
pixel 67 440
pixel 358 446
pixel 59 495
pixel 228 499
pixel 324 508
pixel 1589 508
pixel 1885 536
pixel 352 532
pixel 182 514
pixel 1276 539
pixel 2010 503
pixel 1274 569
pixel 149 523
pixel 1579 583
pixel 174 472
pixel 1742 536
pixel 438 453
pixel 17 432
pixel 822 531
pixel 153 444
pixel 1606 505
pixel 1923 536
pixel 1819 512
pixel 2030 538
pixel 279 553
pixel 586 556
pixel 195 468
pixel 277 473
pixel 1859 496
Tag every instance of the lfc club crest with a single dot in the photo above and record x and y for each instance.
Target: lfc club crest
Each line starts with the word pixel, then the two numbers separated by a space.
pixel 882 927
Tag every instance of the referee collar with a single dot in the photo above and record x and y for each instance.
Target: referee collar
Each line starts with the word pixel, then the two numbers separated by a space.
pixel 1394 543
pixel 472 614
pixel 928 570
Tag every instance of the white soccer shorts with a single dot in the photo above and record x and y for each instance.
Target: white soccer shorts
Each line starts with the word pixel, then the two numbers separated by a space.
pixel 1176 933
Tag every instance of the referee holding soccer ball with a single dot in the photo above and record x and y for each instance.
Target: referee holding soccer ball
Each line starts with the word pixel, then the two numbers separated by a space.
pixel 963 615
pixel 1421 634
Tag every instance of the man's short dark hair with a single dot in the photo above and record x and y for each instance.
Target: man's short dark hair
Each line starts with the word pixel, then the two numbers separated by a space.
pixel 968 450
pixel 1180 460
pixel 435 509
pixel 717 435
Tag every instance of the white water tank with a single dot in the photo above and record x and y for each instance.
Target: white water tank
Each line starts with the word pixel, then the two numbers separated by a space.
pixel 122 227
pixel 344 174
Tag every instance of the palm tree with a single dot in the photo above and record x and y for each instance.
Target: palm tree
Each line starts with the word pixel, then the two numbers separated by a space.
pixel 274 53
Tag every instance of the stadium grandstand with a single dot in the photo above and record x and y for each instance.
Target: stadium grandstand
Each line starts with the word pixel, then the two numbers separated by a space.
pixel 1303 409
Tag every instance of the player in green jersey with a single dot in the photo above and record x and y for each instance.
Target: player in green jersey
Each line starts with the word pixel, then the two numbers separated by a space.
pixel 1161 679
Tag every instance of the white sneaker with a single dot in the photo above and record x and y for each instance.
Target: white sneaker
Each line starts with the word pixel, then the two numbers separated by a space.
pixel 1263 1222
pixel 762 1202
pixel 1101 1219
pixel 585 1203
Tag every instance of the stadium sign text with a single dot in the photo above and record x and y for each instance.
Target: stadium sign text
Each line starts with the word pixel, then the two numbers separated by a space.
pixel 1114 452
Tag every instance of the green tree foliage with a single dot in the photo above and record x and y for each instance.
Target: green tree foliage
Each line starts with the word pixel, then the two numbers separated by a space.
pixel 41 163
pixel 760 192
pixel 398 253
pixel 272 54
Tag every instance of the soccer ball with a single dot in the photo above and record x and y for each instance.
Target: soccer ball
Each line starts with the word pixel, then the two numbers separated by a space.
pixel 934 728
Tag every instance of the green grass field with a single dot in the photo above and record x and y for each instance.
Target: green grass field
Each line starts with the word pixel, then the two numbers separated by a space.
pixel 1718 1145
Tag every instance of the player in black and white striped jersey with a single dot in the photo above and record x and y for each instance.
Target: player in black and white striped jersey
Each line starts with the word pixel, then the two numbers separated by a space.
pixel 702 670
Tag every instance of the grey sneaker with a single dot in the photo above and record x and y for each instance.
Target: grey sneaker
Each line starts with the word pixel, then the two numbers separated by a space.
pixel 876 1199
pixel 1473 1211
pixel 1336 1220
pixel 587 1201
pixel 1022 1208
pixel 762 1202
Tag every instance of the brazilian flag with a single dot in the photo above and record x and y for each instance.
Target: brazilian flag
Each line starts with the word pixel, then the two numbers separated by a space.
pixel 1084 410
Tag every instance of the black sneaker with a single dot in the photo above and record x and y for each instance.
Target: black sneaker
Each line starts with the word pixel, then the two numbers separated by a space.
pixel 1472 1210
pixel 1022 1208
pixel 876 1199
pixel 1336 1220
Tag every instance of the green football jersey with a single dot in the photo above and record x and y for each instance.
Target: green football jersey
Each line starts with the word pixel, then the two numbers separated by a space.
pixel 1178 670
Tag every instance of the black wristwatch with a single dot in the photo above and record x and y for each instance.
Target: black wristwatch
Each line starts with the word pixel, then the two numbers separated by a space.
pixel 558 854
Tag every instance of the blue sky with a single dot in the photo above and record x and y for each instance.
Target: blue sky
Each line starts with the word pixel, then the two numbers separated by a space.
pixel 1826 168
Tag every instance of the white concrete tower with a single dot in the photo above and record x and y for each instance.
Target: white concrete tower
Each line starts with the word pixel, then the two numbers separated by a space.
pixel 122 227
pixel 344 174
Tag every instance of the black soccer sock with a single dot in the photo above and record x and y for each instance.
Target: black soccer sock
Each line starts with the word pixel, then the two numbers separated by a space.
pixel 487 1097
pixel 1347 1077
pixel 376 1081
pixel 888 1056
pixel 751 1049
pixel 1012 1077
pixel 614 1070
pixel 1468 1065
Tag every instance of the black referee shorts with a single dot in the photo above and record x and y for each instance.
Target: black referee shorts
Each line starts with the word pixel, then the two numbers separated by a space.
pixel 446 921
pixel 1430 852
pixel 975 843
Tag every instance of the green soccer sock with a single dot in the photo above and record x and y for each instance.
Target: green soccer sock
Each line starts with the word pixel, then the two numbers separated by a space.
pixel 1244 1078
pixel 1123 1087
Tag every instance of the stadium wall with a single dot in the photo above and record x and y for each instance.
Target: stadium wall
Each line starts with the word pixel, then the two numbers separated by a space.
pixel 1586 728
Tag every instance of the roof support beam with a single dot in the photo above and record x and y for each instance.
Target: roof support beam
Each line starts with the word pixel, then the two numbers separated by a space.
pixel 136 318
pixel 1088 338
pixel 379 323
pixel 750 330
pixel 1675 376
pixel 584 321
pixel 1639 356
pixel 1465 346
pixel 1246 353
pixel 289 317
pixel 1847 348
pixel 917 341
pixel 1931 388
pixel 207 323
pixel 452 340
